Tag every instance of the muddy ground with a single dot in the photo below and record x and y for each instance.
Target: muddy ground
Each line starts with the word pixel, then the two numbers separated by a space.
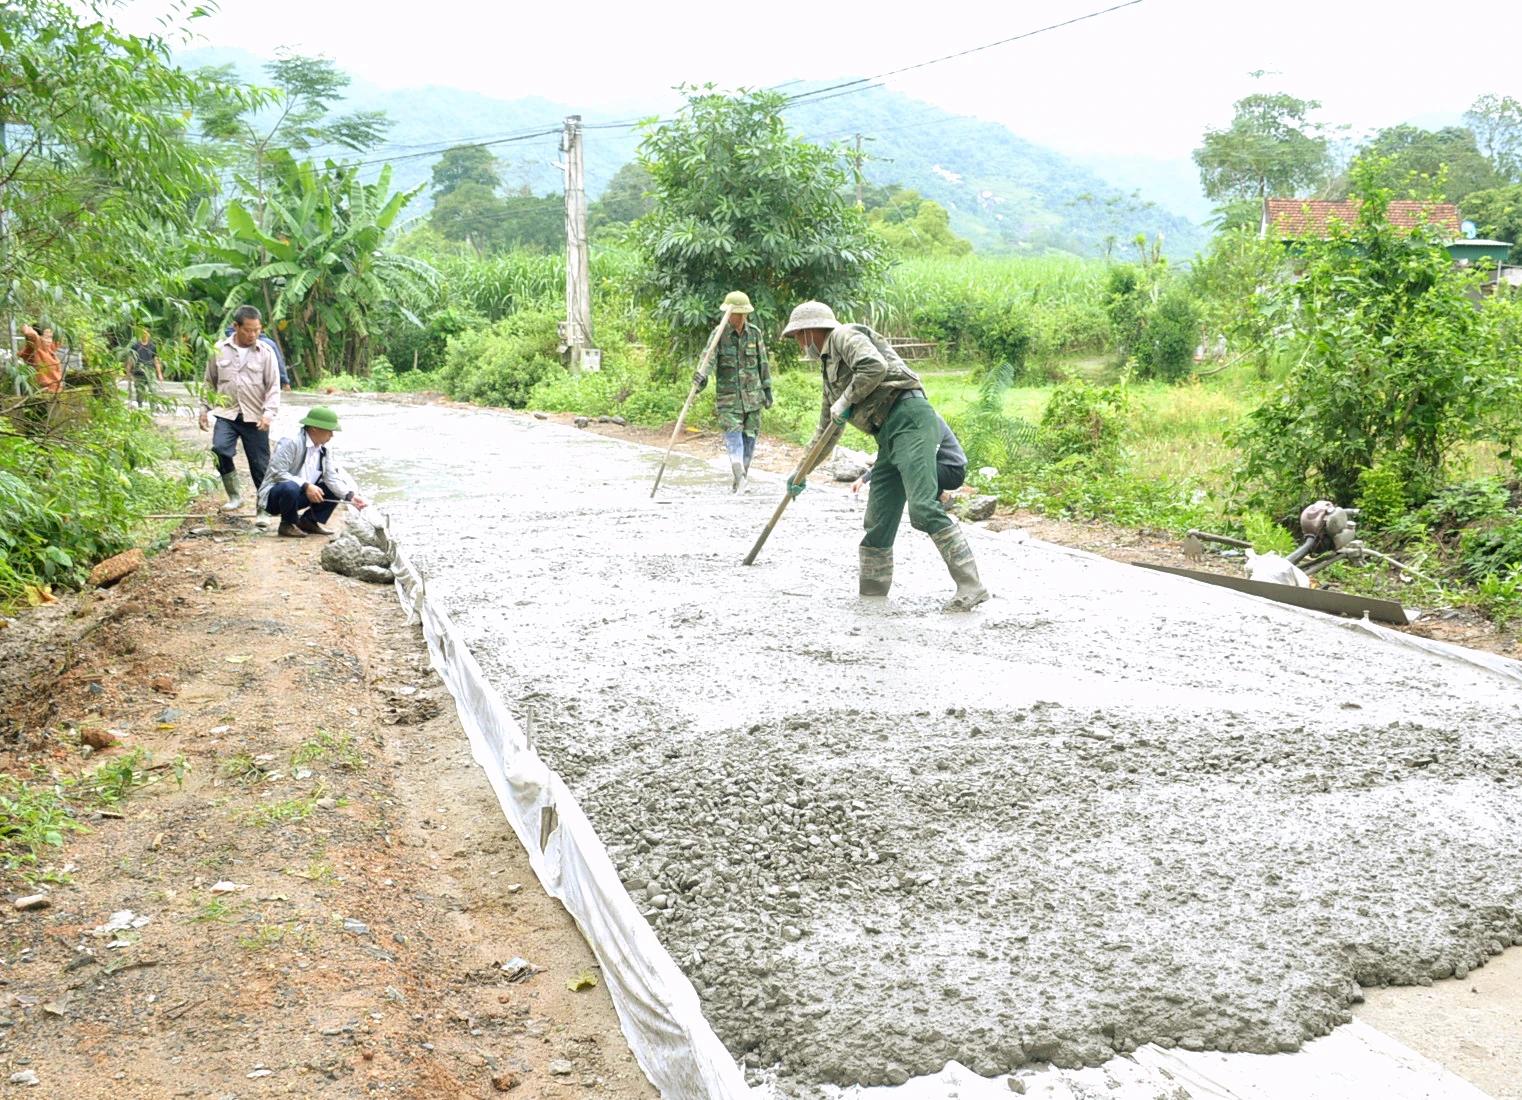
pixel 379 889
pixel 1109 808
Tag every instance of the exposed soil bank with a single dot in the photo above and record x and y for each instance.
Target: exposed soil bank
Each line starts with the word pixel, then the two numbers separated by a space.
pixel 1107 809
pixel 380 885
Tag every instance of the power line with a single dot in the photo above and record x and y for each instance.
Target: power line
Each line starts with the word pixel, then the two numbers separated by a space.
pixel 876 81
pixel 817 95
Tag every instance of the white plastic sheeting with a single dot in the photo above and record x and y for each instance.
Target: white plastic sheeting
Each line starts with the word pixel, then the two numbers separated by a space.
pixel 656 1004
pixel 1355 1062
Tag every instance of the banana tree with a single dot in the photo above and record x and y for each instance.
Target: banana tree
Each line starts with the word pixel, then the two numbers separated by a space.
pixel 320 267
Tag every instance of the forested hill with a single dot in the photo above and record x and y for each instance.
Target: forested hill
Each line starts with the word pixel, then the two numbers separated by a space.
pixel 1004 193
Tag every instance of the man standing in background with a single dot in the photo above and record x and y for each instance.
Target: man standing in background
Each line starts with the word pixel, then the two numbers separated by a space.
pixel 143 356
pixel 744 385
pixel 244 379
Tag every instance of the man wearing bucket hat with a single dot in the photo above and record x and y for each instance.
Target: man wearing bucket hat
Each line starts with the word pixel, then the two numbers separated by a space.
pixel 867 384
pixel 743 387
pixel 306 481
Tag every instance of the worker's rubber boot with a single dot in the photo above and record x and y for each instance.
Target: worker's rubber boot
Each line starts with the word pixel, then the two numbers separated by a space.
pixel 738 471
pixel 876 570
pixel 952 544
pixel 234 494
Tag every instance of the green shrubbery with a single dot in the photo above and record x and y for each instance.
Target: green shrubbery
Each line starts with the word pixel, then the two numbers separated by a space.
pixel 501 365
pixel 72 497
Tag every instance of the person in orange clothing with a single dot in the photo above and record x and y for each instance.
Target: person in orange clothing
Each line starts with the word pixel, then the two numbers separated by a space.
pixel 40 354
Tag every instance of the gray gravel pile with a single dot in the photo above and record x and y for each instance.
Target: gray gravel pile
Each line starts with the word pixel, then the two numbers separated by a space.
pixel 861 898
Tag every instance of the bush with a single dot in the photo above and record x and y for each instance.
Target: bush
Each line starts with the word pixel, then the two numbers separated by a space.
pixel 1491 551
pixel 1082 420
pixel 1397 367
pixel 73 499
pixel 1381 495
pixel 1156 320
pixel 501 365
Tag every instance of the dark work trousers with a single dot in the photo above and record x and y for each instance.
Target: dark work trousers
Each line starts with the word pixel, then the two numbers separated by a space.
pixel 225 434
pixel 288 500
pixel 905 473
pixel 950 478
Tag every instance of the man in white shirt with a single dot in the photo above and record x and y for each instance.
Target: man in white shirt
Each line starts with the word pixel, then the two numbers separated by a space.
pixel 306 481
pixel 244 379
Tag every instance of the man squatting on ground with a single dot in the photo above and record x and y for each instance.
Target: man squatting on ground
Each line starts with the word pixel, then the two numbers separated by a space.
pixel 743 387
pixel 243 375
pixel 950 464
pixel 867 384
pixel 306 481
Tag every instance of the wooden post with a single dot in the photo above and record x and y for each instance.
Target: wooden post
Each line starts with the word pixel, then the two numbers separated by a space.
pixel 577 335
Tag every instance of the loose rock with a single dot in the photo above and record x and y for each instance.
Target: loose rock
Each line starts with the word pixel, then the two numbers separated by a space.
pixel 113 569
pixel 34 901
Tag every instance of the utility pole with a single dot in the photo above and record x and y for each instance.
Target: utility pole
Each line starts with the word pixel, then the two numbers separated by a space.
pixel 858 171
pixel 576 329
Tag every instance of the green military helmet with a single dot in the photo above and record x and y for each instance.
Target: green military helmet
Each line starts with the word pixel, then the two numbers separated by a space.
pixel 736 301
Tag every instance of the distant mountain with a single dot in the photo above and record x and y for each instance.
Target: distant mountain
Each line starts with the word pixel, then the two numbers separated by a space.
pixel 1173 183
pixel 1004 193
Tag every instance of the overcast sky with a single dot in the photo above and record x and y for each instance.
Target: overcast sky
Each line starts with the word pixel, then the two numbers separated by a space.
pixel 1143 81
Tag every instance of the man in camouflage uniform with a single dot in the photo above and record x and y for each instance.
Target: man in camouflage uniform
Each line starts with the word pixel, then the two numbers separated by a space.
pixel 744 385
pixel 867 384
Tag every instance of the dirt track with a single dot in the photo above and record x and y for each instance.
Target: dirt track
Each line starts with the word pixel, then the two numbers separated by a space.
pixel 383 888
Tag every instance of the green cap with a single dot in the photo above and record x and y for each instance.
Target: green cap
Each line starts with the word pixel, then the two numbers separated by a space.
pixel 737 302
pixel 320 416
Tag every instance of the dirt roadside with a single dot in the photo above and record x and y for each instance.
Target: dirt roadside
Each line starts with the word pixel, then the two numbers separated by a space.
pixel 1459 626
pixel 380 891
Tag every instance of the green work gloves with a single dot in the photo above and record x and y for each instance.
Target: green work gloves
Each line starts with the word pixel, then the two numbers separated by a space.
pixel 796 487
pixel 766 399
pixel 699 380
pixel 840 413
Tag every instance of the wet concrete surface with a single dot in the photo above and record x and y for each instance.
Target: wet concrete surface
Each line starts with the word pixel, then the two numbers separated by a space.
pixel 1107 808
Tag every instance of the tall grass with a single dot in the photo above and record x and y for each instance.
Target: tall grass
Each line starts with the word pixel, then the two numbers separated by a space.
pixel 1061 297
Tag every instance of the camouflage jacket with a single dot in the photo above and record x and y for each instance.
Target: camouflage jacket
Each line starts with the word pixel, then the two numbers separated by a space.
pixel 860 365
pixel 742 377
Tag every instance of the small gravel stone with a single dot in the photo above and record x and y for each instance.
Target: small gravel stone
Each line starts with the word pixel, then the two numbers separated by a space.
pixel 560 1067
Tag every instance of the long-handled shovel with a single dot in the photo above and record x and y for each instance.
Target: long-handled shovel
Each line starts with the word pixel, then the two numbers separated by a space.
pixel 815 453
pixel 713 341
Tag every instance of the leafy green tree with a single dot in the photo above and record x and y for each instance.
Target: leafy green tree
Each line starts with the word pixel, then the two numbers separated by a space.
pixel 471 211
pixel 1236 284
pixel 626 197
pixel 1270 149
pixel 1155 318
pixel 95 161
pixel 1497 125
pixel 1395 367
pixel 1498 215
pixel 743 203
pixel 914 226
pixel 1422 162
pixel 334 283
pixel 465 164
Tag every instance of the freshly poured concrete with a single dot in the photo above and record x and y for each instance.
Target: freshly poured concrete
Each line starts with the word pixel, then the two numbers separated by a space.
pixel 1109 807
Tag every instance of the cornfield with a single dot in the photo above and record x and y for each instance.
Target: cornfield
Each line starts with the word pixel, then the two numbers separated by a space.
pixel 1062 298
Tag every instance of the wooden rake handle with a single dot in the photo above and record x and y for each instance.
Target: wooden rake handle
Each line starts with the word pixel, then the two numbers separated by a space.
pixel 806 464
